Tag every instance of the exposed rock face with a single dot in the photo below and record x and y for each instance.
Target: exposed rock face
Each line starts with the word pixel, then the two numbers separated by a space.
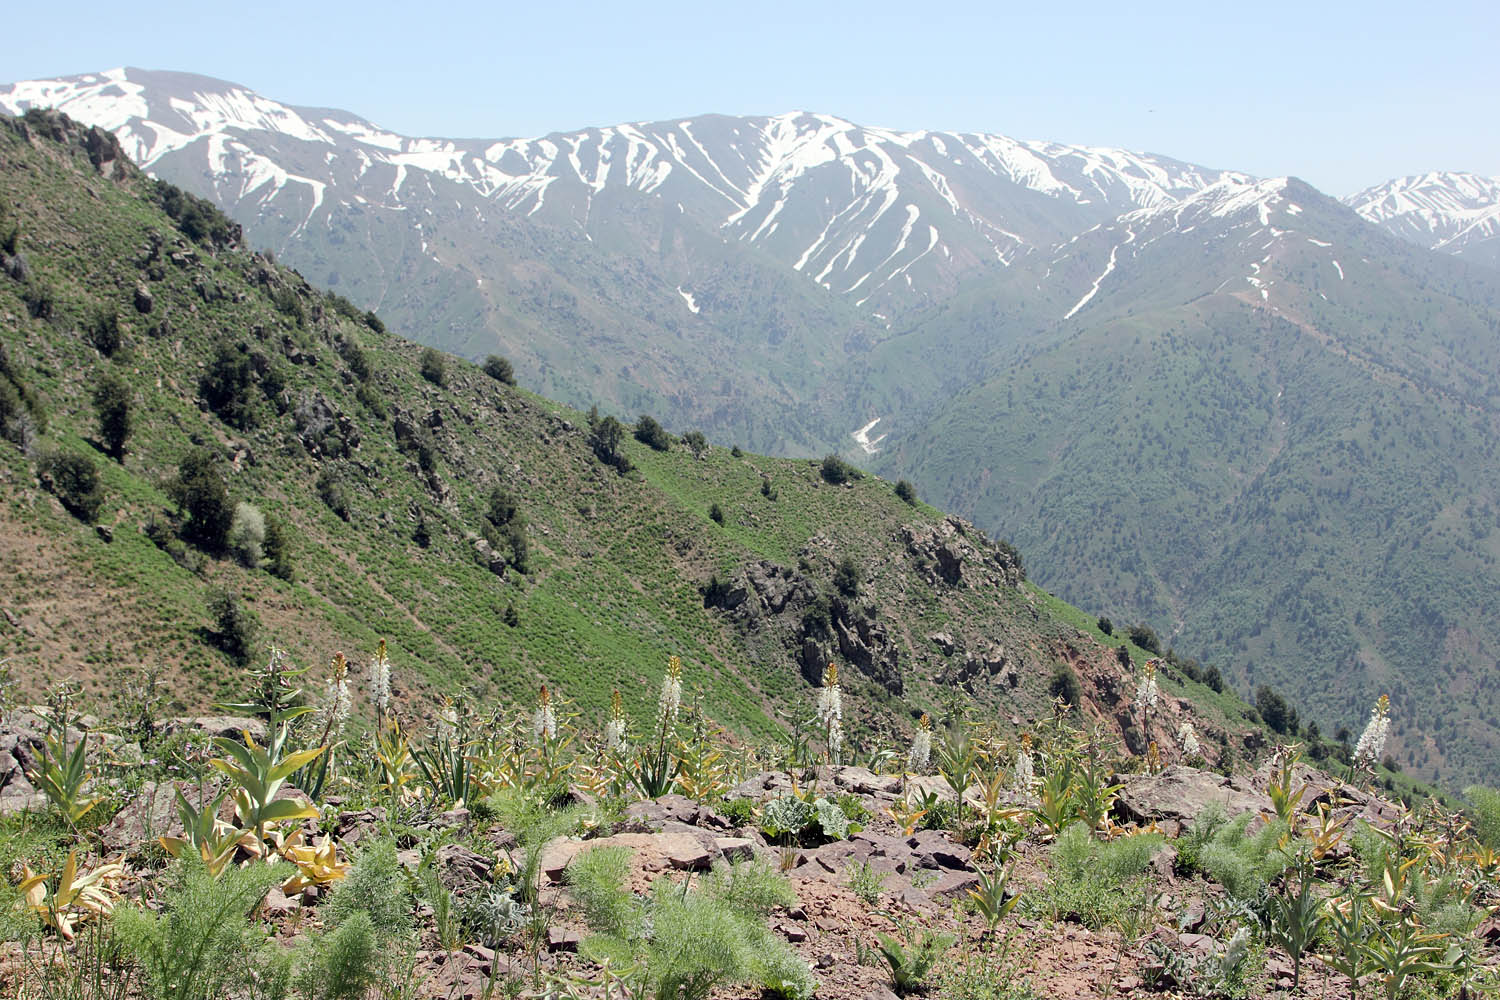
pixel 768 597
pixel 1175 797
pixel 867 644
pixel 958 555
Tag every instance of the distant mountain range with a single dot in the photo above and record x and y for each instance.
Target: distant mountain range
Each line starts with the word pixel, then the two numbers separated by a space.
pixel 1261 417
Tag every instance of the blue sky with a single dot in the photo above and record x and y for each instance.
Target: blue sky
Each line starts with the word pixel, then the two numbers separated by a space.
pixel 1344 95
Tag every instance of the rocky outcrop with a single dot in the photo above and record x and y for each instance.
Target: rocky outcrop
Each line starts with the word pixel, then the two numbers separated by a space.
pixel 1176 796
pixel 954 552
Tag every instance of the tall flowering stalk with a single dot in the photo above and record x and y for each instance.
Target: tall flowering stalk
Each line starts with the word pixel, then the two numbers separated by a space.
pixel 380 684
pixel 614 729
pixel 670 702
pixel 1024 776
pixel 656 769
pixel 544 719
pixel 1187 736
pixel 1146 696
pixel 919 757
pixel 1371 745
pixel 831 712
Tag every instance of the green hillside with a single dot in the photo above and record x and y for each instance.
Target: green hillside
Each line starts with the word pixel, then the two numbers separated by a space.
pixel 1303 492
pixel 398 492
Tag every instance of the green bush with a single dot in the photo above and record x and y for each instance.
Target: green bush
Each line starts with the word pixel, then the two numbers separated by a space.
pixel 340 964
pixel 112 403
pixel 196 946
pixel 1105 625
pixel 198 219
pixel 203 497
pixel 1092 882
pixel 846 578
pixel 226 385
pixel 652 434
pixel 1244 863
pixel 696 443
pixel 331 491
pixel 247 535
pixel 500 369
pixel 685 941
pixel 277 549
pixel 837 471
pixel 376 886
pixel 907 492
pixel 434 368
pixel 1484 806
pixel 1145 637
pixel 104 332
pixel 1065 685
pixel 716 513
pixel 236 627
pixel 74 480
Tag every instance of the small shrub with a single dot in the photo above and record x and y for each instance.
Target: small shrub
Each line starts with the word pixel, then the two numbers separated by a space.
pixel 837 471
pixel 1145 637
pixel 331 492
pixel 104 332
pixel 1244 863
pixel 907 492
pixel 434 369
pixel 500 369
pixel 688 940
pixel 340 964
pixel 1065 685
pixel 247 535
pixel 226 385
pixel 736 453
pixel 1105 625
pixel 277 550
pixel 112 404
pixel 912 959
pixel 40 300
pixel 192 948
pixel 846 578
pixel 865 882
pixel 236 627
pixel 375 886
pixel 74 480
pixel 696 443
pixel 716 513
pixel 652 434
pixel 1092 882
pixel 200 492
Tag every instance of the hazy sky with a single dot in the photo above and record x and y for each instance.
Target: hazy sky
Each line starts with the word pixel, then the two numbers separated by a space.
pixel 1343 95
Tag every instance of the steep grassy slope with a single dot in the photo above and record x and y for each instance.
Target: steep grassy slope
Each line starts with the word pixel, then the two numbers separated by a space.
pixel 622 570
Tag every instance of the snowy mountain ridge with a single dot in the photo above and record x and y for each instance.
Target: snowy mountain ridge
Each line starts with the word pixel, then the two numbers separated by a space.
pixel 1451 211
pixel 858 209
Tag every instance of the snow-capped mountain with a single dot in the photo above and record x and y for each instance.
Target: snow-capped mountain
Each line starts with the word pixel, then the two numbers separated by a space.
pixel 886 218
pixel 1458 213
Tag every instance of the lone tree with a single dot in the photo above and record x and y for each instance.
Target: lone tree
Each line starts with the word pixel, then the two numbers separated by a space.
pixel 434 368
pixel 1145 637
pixel 72 478
pixel 500 369
pixel 203 497
pixel 112 401
pixel 649 431
pixel 846 578
pixel 906 491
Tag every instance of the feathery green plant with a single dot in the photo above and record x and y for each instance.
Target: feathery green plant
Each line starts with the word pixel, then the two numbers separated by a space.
pixel 196 946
